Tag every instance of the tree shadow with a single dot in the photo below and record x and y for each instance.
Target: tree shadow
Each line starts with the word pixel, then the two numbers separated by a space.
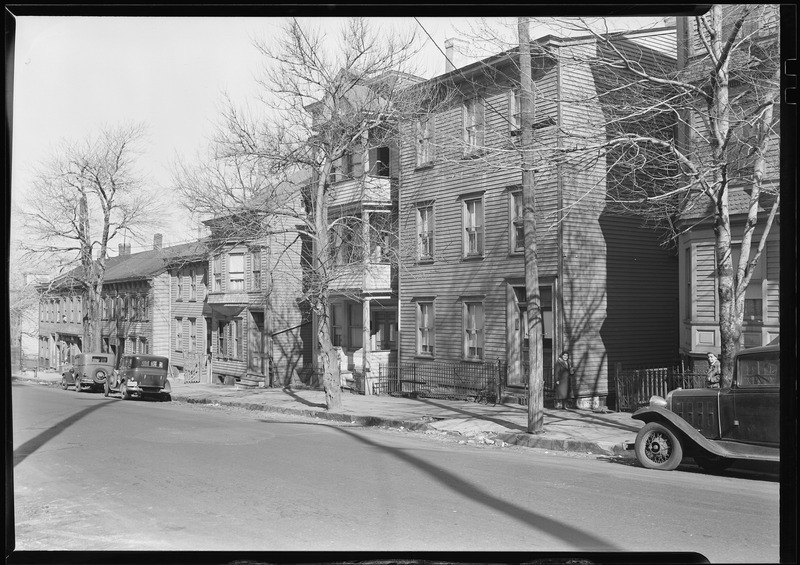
pixel 290 392
pixel 498 421
pixel 451 481
pixel 32 445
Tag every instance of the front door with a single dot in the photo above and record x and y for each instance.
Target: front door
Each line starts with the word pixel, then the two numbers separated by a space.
pixel 256 349
pixel 518 373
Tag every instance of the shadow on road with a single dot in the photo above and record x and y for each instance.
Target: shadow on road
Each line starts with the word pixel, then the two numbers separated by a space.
pixel 30 446
pixel 570 534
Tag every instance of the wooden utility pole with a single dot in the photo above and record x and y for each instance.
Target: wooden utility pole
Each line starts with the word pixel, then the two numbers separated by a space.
pixel 533 299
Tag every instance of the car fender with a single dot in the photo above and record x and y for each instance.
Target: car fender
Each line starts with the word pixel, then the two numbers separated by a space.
pixel 689 434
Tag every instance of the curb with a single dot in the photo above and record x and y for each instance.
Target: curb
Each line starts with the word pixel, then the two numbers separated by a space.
pixel 538 441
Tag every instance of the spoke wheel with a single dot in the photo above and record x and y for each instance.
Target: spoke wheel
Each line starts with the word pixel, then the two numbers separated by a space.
pixel 658 447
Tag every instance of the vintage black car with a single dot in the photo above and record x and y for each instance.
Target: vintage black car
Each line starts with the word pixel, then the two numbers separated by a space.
pixel 88 371
pixel 140 376
pixel 717 426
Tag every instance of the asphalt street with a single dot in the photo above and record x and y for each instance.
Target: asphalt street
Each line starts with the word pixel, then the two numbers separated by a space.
pixel 104 474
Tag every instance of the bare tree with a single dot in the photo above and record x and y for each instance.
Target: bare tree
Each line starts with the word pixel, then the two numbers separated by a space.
pixel 86 195
pixel 324 102
pixel 687 139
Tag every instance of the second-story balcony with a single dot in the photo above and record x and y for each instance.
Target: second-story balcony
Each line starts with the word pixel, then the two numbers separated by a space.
pixel 367 189
pixel 366 278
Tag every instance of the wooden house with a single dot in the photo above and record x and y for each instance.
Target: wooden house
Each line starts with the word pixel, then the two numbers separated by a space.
pixel 699 298
pixel 608 289
pixel 137 305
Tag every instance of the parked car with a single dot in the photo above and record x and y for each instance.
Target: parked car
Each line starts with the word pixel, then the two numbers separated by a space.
pixel 89 370
pixel 716 426
pixel 140 376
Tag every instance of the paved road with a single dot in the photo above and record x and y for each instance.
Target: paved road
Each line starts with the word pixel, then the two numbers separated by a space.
pixel 102 473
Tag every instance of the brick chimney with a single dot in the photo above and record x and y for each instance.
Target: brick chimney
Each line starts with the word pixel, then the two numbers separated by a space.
pixel 124 249
pixel 158 241
pixel 453 49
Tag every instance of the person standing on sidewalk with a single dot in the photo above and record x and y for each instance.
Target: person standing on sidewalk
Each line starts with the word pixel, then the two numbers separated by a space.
pixel 714 371
pixel 564 372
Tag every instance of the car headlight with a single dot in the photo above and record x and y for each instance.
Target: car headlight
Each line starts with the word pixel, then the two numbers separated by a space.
pixel 657 402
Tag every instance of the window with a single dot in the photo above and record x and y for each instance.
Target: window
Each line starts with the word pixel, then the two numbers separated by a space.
pixel 236 337
pixel 145 308
pixel 222 344
pixel 425 328
pixel 516 228
pixel 473 330
pixel 179 278
pixel 104 307
pixel 514 112
pixel 753 296
pixel 216 267
pixel 337 319
pixel 346 241
pixel 178 334
pixel 425 231
pixel 192 335
pixel 473 227
pixel 356 325
pixel 236 271
pixel 144 347
pixel 255 263
pixel 473 125
pixel 379 162
pixel 135 314
pixel 192 284
pixel 425 130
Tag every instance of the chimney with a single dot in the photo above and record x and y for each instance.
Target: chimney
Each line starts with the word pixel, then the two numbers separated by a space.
pixel 158 241
pixel 124 249
pixel 453 49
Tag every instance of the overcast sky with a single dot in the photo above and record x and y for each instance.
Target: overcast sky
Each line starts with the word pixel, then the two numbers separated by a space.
pixel 73 75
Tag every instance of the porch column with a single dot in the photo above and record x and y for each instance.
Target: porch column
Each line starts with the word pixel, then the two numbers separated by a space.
pixel 365 339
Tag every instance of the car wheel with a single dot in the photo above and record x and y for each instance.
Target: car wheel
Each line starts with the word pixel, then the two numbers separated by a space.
pixel 658 447
pixel 100 376
pixel 105 388
pixel 713 463
pixel 123 392
pixel 77 384
pixel 64 383
pixel 166 397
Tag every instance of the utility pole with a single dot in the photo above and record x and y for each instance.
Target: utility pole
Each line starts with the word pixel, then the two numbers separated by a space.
pixel 532 297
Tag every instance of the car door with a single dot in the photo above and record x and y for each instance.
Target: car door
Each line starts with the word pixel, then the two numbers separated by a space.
pixel 756 399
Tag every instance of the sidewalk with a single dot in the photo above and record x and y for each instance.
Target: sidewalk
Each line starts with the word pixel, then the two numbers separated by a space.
pixel 585 431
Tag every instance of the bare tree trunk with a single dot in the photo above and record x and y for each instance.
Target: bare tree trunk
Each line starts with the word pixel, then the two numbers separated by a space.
pixel 330 363
pixel 533 298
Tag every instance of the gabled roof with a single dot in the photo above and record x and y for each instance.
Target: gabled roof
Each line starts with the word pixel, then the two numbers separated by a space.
pixel 138 266
pixel 738 204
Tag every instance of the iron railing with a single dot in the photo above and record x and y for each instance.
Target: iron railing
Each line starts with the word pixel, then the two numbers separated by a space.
pixel 451 381
pixel 634 387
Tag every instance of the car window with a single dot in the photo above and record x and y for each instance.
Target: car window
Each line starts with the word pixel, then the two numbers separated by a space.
pixel 156 363
pixel 99 359
pixel 758 370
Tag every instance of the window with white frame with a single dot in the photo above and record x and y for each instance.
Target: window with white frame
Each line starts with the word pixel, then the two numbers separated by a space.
pixel 235 271
pixel 753 294
pixel 255 268
pixel 192 335
pixel 514 111
pixel 426 329
pixel 222 342
pixel 473 330
pixel 236 338
pixel 337 320
pixel 473 125
pixel 516 228
pixel 216 267
pixel 178 334
pixel 179 281
pixel 473 227
pixel 425 140
pixel 193 284
pixel 425 232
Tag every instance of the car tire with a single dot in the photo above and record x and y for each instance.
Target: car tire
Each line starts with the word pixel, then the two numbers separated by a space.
pixel 100 376
pixel 123 392
pixel 77 383
pixel 658 447
pixel 105 388
pixel 167 397
pixel 64 383
pixel 713 463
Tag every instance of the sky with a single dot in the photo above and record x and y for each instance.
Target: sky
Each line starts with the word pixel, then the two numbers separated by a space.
pixel 74 75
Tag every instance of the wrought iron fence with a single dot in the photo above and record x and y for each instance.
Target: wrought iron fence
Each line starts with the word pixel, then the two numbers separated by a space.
pixel 451 381
pixel 634 387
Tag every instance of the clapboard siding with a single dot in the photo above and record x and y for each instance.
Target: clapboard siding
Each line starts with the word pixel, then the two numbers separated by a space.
pixel 773 270
pixel 161 314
